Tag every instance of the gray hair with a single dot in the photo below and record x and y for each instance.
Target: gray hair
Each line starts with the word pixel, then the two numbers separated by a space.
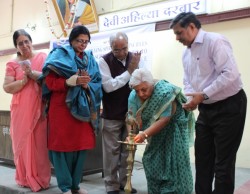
pixel 139 76
pixel 118 35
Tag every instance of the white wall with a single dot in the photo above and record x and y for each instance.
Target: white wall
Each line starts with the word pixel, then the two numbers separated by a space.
pixel 5 98
pixel 223 5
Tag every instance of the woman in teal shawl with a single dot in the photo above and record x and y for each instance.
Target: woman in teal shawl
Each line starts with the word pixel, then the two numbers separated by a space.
pixel 156 109
pixel 72 87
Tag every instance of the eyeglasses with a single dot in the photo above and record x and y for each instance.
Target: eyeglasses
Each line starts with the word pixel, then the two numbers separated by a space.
pixel 120 50
pixel 21 43
pixel 81 41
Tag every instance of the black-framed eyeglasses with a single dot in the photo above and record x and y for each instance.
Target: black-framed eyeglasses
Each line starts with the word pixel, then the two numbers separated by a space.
pixel 116 51
pixel 81 41
pixel 21 43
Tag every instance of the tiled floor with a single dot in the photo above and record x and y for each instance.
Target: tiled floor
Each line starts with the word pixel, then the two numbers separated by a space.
pixel 94 183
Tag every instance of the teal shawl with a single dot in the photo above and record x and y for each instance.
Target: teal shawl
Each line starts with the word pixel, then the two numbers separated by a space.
pixel 66 63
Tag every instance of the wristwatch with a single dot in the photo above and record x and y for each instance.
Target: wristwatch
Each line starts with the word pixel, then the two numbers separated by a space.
pixel 205 96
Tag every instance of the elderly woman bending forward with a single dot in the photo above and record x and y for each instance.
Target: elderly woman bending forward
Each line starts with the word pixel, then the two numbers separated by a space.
pixel 157 109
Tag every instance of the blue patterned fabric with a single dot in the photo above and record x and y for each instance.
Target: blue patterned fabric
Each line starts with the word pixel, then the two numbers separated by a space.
pixel 166 158
pixel 65 62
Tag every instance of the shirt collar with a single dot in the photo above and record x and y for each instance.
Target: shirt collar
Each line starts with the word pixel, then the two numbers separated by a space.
pixel 199 37
pixel 122 61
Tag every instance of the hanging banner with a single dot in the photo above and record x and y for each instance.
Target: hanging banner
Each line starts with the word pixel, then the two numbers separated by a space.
pixel 139 38
pixel 151 13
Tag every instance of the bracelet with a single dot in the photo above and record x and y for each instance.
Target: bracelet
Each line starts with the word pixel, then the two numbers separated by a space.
pixel 22 82
pixel 146 135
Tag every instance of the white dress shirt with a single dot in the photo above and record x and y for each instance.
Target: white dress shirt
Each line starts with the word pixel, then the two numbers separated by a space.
pixel 109 83
pixel 210 67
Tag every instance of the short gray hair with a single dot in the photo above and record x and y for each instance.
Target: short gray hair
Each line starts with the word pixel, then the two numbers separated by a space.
pixel 139 76
pixel 118 35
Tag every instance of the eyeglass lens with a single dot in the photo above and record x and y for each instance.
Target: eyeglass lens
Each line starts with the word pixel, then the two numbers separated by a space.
pixel 21 43
pixel 82 41
pixel 120 50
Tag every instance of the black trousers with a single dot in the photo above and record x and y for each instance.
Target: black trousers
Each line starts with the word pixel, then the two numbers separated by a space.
pixel 219 129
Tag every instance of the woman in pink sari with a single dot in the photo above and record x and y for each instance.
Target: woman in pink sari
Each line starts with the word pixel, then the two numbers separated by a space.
pixel 28 125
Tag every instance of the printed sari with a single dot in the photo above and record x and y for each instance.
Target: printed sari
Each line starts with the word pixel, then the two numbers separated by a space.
pixel 166 158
